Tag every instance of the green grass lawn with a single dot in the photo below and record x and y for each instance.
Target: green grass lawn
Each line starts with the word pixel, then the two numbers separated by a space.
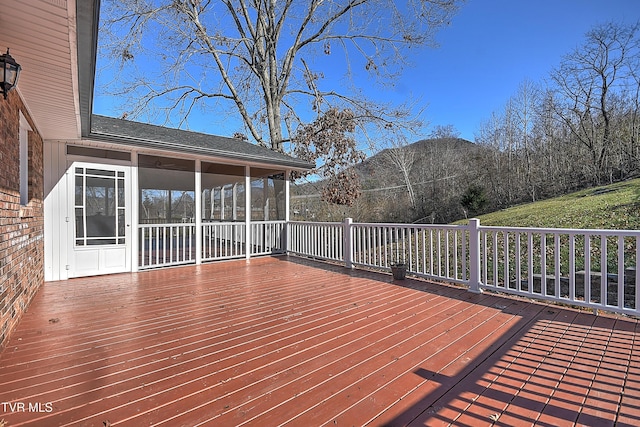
pixel 615 206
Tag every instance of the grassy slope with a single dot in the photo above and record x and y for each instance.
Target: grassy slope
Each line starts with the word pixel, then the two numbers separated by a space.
pixel 615 206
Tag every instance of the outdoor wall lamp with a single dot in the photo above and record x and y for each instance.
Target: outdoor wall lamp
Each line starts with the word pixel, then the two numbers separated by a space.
pixel 10 73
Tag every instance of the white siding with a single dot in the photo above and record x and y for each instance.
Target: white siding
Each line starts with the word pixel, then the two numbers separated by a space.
pixel 55 211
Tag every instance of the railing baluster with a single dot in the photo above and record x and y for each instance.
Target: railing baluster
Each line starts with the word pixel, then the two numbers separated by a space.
pixel 485 266
pixel 367 239
pixel 439 243
pixel 621 278
pixel 506 259
pixel 603 271
pixel 543 264
pixel 171 253
pixel 495 258
pixel 587 268
pixel 158 249
pixel 455 254
pixel 431 270
pixel 423 241
pixel 518 261
pixel 225 243
pixel 530 262
pixel 556 267
pixel 179 236
pixel 572 267
pixel 408 247
pixel 463 242
pixel 637 281
pixel 377 247
pixel 447 253
pixel 185 239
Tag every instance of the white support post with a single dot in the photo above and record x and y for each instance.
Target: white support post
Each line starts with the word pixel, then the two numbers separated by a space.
pixel 135 212
pixel 198 211
pixel 247 211
pixel 347 242
pixel 287 189
pixel 287 194
pixel 474 256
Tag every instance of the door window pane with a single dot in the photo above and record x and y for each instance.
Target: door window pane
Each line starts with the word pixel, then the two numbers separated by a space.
pixel 99 207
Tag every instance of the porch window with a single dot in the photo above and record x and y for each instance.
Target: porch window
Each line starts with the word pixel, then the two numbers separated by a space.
pixel 166 206
pixel 267 195
pixel 223 192
pixel 166 190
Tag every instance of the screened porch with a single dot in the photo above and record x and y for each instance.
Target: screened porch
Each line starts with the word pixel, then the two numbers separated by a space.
pixel 191 211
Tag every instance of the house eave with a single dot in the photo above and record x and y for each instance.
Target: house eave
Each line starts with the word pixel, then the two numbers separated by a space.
pixel 88 18
pixel 293 164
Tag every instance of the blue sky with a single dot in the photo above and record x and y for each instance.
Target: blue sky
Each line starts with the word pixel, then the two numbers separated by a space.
pixel 492 46
pixel 488 50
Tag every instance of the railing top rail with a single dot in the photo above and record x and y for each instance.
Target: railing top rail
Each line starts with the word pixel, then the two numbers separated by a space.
pixel 575 231
pixel 323 223
pixel 568 231
pixel 401 225
pixel 168 224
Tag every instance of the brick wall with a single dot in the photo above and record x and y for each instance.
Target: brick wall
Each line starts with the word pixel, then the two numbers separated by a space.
pixel 21 227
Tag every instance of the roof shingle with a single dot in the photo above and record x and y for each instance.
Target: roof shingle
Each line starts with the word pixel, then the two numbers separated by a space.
pixel 152 136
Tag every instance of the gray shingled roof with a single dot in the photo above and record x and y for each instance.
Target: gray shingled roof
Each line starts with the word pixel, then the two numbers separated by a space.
pixel 151 136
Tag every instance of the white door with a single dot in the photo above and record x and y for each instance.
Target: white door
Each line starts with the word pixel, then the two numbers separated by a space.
pixel 100 222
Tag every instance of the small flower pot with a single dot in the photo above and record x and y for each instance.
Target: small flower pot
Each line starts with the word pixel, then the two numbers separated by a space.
pixel 399 271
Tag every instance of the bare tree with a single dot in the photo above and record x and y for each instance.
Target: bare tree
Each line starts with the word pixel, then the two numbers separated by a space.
pixel 261 57
pixel 402 157
pixel 525 106
pixel 588 80
pixel 444 131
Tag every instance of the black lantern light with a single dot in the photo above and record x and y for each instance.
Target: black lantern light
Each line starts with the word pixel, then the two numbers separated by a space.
pixel 10 73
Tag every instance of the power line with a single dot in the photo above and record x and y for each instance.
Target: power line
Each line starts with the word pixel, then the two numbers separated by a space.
pixel 373 190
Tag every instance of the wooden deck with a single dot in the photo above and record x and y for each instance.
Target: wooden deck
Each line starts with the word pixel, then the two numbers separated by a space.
pixel 284 341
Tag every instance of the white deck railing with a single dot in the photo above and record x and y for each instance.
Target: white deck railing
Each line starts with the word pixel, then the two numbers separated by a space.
pixel 166 244
pixel 223 240
pixel 596 269
pixel 163 245
pixel 589 268
pixel 433 251
pixel 268 237
pixel 320 240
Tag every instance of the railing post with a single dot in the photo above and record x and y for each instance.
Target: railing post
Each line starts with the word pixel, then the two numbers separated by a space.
pixel 347 242
pixel 198 211
pixel 248 236
pixel 287 237
pixel 474 256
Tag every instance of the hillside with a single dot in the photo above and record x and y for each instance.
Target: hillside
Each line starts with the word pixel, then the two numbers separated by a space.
pixel 615 206
pixel 422 147
pixel 438 170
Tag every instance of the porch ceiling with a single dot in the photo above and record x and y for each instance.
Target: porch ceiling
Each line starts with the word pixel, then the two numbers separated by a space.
pixel 41 36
